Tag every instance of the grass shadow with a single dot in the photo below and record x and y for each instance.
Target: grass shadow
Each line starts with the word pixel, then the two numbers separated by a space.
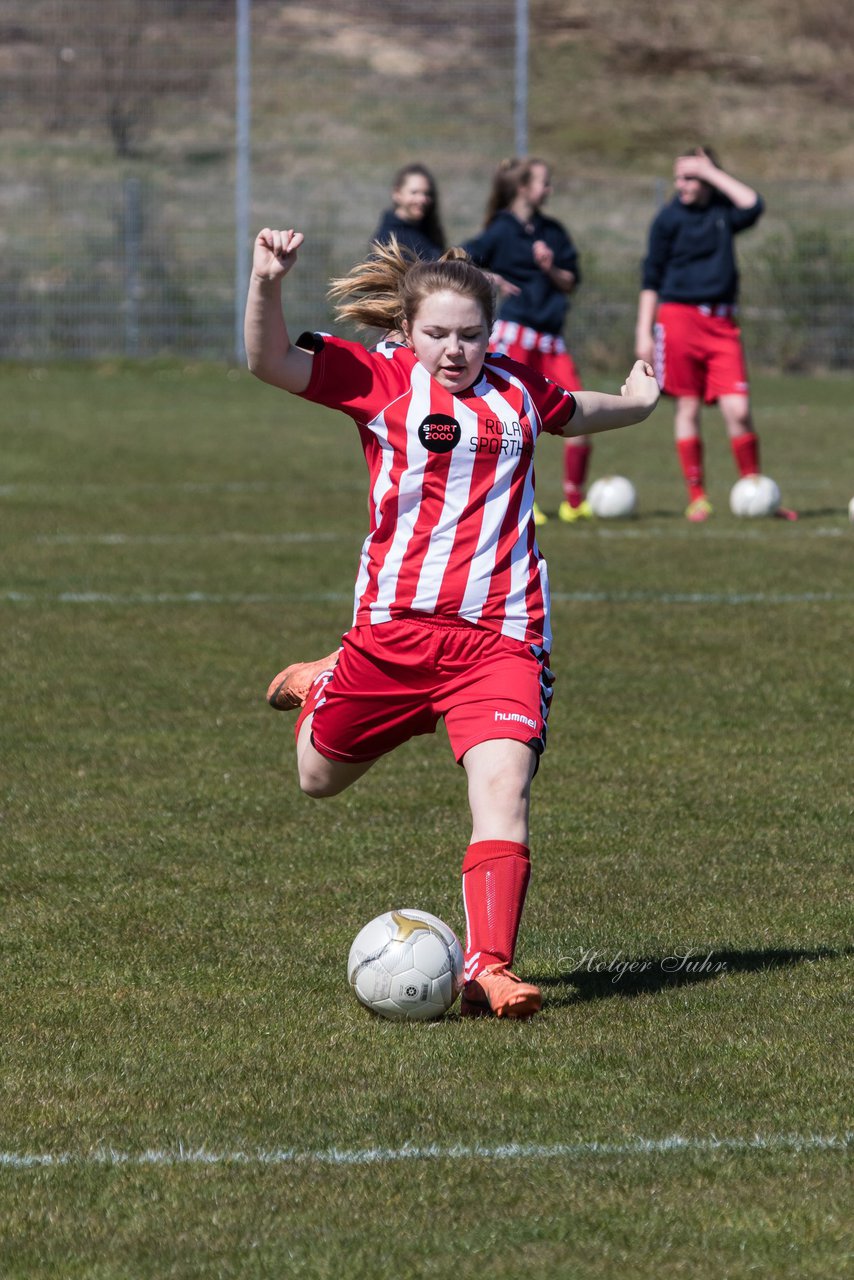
pixel 602 975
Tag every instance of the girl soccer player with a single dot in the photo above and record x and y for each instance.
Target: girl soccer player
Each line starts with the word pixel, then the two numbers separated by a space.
pixel 414 217
pixel 452 605
pixel 686 315
pixel 535 265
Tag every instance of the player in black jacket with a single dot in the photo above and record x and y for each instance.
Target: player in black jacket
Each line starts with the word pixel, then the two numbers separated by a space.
pixel 535 265
pixel 414 217
pixel 686 321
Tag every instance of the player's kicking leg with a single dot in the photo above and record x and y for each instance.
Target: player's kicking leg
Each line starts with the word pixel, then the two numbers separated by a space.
pixel 496 870
pixel 290 688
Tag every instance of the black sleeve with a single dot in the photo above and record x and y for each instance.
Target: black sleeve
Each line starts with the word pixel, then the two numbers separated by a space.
pixel 383 231
pixel 566 257
pixel 658 251
pixel 741 219
pixel 480 248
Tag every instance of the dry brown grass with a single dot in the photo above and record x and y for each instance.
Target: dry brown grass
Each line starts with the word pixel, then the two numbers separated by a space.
pixel 772 83
pixel 614 85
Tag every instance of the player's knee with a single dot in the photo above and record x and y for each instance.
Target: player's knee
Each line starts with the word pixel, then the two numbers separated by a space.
pixel 316 783
pixel 506 795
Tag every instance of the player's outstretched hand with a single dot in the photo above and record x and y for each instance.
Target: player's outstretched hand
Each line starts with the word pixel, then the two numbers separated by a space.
pixel 505 288
pixel 641 386
pixel 275 253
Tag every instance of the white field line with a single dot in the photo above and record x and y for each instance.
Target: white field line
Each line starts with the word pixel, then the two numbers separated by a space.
pixel 333 597
pixel 36 489
pixel 677 533
pixel 170 597
pixel 24 487
pixel 177 539
pixel 702 597
pixel 794 1144
pixel 632 534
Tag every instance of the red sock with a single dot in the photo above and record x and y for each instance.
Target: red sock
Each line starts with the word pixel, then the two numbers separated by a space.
pixel 495 881
pixel 576 458
pixel 690 451
pixel 745 450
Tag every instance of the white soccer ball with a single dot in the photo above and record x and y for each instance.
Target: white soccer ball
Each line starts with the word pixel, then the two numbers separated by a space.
pixel 612 498
pixel 754 496
pixel 406 964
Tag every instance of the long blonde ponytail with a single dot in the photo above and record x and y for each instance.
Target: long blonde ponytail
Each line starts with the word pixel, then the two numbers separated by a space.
pixel 389 286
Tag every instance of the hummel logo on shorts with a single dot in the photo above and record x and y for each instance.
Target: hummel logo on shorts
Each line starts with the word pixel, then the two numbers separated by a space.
pixel 516 718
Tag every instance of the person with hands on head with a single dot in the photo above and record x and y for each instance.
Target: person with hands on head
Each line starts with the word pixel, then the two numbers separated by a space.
pixel 686 323
pixel 451 618
pixel 535 266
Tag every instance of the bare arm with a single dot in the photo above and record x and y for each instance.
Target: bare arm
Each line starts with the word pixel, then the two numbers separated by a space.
pixel 597 411
pixel 742 196
pixel 270 354
pixel 560 277
pixel 505 288
pixel 644 338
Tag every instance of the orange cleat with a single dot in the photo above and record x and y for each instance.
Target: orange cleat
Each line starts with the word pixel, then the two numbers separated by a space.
pixel 497 991
pixel 291 687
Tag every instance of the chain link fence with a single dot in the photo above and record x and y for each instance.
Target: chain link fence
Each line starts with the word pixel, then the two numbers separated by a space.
pixel 118 158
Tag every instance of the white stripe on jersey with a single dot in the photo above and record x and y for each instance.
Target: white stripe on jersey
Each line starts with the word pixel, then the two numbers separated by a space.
pixel 445 530
pixel 515 606
pixel 494 512
pixel 408 500
pixel 381 486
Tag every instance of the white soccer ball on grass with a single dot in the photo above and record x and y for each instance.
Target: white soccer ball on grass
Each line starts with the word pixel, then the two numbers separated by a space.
pixel 612 498
pixel 406 965
pixel 752 497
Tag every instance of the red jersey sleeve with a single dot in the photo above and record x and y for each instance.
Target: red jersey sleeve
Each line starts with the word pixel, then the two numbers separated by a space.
pixel 347 377
pixel 555 405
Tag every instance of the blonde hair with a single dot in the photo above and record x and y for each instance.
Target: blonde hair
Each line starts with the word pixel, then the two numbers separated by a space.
pixel 388 287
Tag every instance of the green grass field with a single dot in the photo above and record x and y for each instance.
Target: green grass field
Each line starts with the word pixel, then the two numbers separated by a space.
pixel 188 1087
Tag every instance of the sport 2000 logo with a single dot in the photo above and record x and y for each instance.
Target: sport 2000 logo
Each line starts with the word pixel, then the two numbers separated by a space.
pixel 439 433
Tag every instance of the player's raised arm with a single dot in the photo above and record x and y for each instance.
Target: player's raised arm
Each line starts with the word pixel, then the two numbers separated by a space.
pixel 597 411
pixel 270 354
pixel 702 166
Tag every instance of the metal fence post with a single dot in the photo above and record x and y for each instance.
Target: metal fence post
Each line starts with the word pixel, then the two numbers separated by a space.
pixel 521 79
pixel 242 175
pixel 132 240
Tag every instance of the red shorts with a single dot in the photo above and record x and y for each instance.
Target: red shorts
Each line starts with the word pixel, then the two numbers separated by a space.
pixel 698 352
pixel 398 679
pixel 545 353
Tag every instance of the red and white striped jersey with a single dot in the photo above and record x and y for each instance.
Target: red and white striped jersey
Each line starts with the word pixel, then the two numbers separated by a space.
pixel 451 485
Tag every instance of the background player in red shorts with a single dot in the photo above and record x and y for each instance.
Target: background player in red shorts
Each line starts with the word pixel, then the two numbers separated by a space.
pixel 535 265
pixel 452 604
pixel 686 314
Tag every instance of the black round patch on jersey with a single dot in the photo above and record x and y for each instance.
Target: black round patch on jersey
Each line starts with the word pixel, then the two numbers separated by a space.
pixel 439 433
